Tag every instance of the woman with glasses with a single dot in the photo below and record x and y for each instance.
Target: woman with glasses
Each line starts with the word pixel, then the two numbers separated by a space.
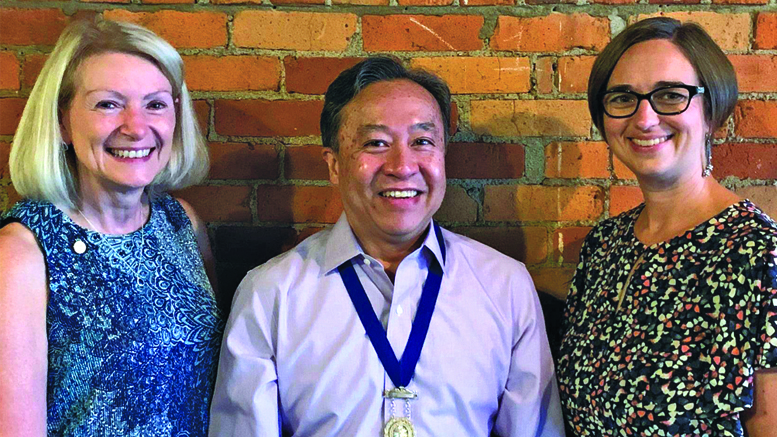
pixel 671 319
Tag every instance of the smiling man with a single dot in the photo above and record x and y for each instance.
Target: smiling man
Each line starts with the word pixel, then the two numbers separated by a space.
pixel 386 324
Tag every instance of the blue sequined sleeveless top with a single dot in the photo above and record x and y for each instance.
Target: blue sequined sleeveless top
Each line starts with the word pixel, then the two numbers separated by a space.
pixel 133 327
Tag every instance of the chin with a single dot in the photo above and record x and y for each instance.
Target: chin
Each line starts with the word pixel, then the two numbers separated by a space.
pixel 132 185
pixel 406 228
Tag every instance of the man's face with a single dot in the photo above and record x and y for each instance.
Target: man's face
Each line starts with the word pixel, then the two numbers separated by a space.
pixel 390 168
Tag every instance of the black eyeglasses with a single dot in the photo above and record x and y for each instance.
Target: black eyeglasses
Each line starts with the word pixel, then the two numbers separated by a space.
pixel 668 100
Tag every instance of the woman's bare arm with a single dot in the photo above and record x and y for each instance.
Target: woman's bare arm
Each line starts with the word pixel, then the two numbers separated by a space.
pixel 761 420
pixel 23 342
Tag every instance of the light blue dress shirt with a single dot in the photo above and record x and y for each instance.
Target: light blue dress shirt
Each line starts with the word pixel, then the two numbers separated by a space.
pixel 296 359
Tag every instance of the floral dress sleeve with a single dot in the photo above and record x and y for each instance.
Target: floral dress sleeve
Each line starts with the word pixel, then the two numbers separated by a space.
pixel 747 332
pixel 766 346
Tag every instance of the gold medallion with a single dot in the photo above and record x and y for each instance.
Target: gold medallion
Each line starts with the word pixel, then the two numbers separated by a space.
pixel 399 427
pixel 400 393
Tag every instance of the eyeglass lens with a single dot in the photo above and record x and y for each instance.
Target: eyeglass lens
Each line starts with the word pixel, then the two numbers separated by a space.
pixel 665 101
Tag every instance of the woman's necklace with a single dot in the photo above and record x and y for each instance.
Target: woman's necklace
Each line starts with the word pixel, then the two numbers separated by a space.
pixel 637 263
pixel 625 285
pixel 142 245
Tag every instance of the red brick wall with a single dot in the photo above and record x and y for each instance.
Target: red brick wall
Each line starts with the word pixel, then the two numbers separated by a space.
pixel 527 173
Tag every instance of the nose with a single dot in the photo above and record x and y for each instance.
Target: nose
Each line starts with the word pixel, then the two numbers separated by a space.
pixel 645 117
pixel 400 162
pixel 134 123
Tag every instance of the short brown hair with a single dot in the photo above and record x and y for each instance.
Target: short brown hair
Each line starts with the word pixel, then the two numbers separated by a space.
pixel 712 66
pixel 371 70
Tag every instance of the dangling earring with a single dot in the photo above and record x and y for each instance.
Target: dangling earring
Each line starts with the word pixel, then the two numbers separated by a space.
pixel 708 148
pixel 65 146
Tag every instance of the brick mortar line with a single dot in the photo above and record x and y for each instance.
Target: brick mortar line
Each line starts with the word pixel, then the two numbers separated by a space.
pixel 534 158
pixel 264 182
pixel 280 149
pixel 285 96
pixel 315 140
pixel 735 182
pixel 479 184
pixel 523 11
pixel 210 128
pixel 272 96
pixel 282 54
pixel 292 141
pixel 253 203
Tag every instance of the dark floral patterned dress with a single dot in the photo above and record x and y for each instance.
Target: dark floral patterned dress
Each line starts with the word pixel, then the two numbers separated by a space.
pixel 698 317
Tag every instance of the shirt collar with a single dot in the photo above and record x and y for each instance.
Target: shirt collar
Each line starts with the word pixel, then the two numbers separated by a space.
pixel 343 246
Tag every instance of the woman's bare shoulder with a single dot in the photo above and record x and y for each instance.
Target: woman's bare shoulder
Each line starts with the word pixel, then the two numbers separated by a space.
pixel 20 254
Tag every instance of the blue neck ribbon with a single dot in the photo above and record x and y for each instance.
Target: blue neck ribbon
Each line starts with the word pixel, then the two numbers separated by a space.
pixel 400 371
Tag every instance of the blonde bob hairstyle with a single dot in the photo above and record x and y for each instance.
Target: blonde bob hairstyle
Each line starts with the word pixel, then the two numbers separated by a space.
pixel 40 166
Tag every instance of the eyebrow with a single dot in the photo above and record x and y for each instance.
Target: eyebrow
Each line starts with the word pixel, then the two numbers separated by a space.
pixel 660 84
pixel 120 95
pixel 427 126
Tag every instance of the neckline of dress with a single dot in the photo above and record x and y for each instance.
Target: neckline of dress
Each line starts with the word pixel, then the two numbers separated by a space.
pixel 741 205
pixel 143 230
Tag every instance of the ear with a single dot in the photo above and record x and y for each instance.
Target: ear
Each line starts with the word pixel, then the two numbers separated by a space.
pixel 330 156
pixel 63 128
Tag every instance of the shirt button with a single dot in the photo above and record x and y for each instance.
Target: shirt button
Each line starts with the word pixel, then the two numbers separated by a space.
pixel 367 262
pixel 399 310
pixel 79 247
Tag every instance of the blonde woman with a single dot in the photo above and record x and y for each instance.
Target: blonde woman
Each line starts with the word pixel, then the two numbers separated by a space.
pixel 108 321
